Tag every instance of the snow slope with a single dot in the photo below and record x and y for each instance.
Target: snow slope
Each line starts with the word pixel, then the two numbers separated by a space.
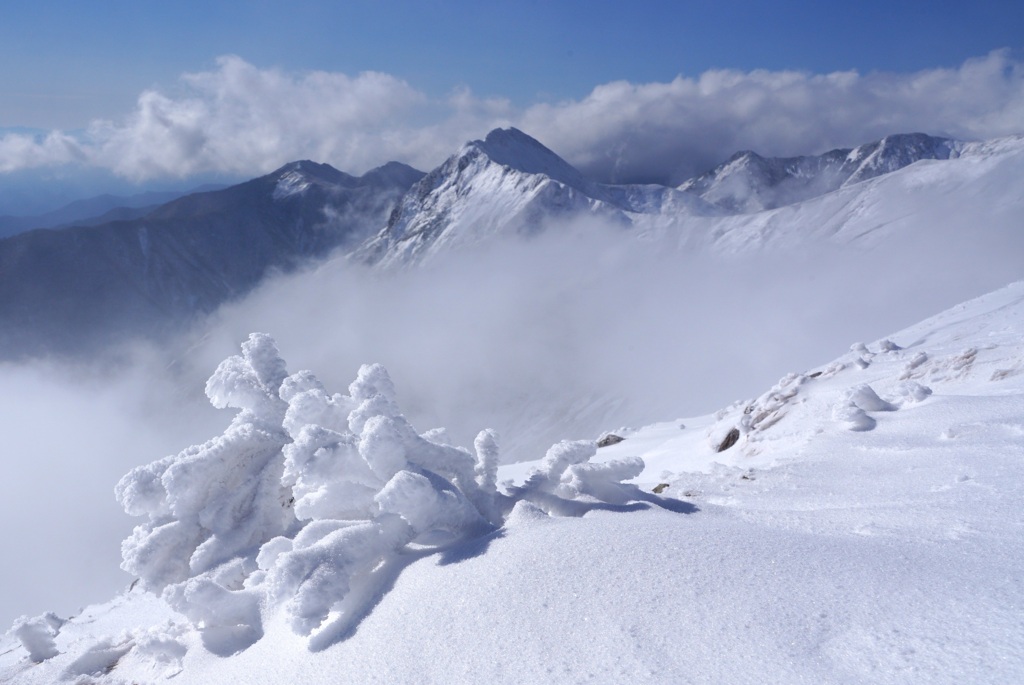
pixel 864 525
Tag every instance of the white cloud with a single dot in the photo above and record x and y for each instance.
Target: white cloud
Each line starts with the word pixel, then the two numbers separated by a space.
pixel 24 151
pixel 240 119
pixel 624 130
pixel 243 120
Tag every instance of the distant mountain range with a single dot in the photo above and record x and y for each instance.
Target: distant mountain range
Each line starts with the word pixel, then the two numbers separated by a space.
pixel 749 183
pixel 145 270
pixel 94 211
pixel 77 289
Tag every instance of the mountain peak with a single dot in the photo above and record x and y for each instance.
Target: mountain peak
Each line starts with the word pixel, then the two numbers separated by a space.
pixel 895 152
pixel 295 178
pixel 748 182
pixel 513 148
pixel 314 171
pixel 392 173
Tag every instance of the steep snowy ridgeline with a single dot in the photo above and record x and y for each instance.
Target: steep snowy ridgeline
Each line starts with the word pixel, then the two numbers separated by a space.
pixel 78 289
pixel 510 184
pixel 937 205
pixel 506 184
pixel 859 522
pixel 70 290
pixel 749 183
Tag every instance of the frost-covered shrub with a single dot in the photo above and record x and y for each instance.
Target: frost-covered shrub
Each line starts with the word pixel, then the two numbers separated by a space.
pixel 566 475
pixel 308 495
pixel 215 501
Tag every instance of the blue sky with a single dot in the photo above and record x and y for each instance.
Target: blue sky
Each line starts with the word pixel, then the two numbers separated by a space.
pixel 70 62
pixel 170 92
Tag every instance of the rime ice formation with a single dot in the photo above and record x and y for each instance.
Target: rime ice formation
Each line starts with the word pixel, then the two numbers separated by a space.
pixel 308 500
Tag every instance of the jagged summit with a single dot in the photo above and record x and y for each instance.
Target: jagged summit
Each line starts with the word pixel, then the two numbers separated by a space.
pixel 297 177
pixel 327 176
pixel 508 183
pixel 313 170
pixel 513 148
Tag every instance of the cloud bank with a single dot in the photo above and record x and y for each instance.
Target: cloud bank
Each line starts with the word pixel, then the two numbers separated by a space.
pixel 239 119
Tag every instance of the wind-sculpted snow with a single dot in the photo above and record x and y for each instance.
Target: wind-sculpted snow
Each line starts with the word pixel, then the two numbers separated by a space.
pixel 36 635
pixel 310 502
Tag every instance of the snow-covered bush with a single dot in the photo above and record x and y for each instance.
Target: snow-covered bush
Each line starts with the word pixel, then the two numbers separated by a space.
pixel 215 501
pixel 307 496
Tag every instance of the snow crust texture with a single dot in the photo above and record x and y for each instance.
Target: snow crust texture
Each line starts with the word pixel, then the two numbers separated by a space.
pixel 309 503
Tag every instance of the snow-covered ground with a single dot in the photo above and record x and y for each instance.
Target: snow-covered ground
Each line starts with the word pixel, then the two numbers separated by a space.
pixel 864 525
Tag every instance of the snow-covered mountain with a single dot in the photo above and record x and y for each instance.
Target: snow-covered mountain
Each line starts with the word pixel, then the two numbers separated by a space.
pixel 748 182
pixel 75 289
pixel 856 522
pixel 510 184
pixel 934 203
pixel 79 289
pixel 504 185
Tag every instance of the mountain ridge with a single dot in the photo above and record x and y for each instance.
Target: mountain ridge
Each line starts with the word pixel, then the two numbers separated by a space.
pixel 748 183
pixel 187 256
pixel 507 184
pixel 61 289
